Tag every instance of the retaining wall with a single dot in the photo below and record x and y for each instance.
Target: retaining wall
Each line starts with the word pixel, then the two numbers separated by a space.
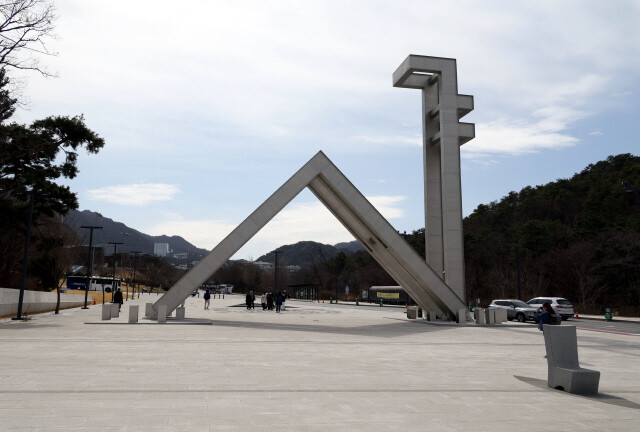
pixel 35 301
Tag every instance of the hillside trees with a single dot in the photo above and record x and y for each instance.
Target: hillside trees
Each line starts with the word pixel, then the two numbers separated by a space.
pixel 578 238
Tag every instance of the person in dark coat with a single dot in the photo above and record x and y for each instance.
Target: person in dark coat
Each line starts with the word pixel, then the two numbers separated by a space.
pixel 207 299
pixel 278 301
pixel 248 300
pixel 117 298
pixel 544 315
pixel 270 301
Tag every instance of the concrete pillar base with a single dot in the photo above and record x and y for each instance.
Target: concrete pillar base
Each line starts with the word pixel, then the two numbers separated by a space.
pixel 115 310
pixel 106 312
pixel 162 314
pixel 133 314
pixel 462 315
pixel 432 316
pixel 180 313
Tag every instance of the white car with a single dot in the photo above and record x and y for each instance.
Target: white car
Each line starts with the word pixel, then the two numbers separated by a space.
pixel 561 306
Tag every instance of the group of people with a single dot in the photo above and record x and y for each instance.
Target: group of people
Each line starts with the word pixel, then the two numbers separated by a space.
pixel 268 300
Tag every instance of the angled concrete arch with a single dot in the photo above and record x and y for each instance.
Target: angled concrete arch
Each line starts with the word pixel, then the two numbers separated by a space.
pixel 358 216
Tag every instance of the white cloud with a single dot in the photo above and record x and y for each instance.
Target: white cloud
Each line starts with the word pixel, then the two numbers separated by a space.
pixel 139 194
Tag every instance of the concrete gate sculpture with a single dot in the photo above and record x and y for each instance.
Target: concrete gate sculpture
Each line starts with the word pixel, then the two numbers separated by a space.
pixel 436 285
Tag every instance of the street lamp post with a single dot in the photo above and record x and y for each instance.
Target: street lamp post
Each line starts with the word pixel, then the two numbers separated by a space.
pixel 275 282
pixel 113 284
pixel 90 264
pixel 135 262
pixel 518 265
pixel 26 255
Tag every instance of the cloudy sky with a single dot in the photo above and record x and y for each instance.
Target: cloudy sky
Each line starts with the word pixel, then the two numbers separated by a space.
pixel 207 107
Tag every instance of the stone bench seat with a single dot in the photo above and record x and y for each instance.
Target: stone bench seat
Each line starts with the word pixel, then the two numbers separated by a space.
pixel 564 371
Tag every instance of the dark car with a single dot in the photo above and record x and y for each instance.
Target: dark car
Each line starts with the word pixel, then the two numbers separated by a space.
pixel 516 309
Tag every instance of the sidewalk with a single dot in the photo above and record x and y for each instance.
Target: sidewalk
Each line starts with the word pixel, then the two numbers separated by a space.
pixel 315 367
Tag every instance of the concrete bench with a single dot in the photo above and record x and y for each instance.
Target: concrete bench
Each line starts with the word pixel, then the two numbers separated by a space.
pixel 564 371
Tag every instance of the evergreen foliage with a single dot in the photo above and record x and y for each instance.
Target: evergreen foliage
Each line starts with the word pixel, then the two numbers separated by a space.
pixel 578 238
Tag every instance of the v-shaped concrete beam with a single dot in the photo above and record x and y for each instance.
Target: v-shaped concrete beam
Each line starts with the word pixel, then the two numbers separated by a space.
pixel 357 214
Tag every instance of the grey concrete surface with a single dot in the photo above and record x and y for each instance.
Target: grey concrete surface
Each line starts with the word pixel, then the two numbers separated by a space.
pixel 315 367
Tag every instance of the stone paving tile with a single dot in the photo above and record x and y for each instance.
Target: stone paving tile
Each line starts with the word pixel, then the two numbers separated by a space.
pixel 316 367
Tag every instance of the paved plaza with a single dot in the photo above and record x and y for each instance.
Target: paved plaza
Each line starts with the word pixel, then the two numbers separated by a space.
pixel 314 367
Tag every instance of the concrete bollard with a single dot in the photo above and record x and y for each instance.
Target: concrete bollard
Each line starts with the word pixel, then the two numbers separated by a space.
pixel 491 316
pixel 480 315
pixel 432 316
pixel 162 314
pixel 106 312
pixel 180 313
pixel 462 315
pixel 115 310
pixel 133 314
pixel 412 312
pixel 501 315
pixel 148 310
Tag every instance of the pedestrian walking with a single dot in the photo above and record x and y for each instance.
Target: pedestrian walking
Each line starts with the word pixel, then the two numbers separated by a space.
pixel 248 299
pixel 270 301
pixel 284 299
pixel 207 299
pixel 117 298
pixel 253 300
pixel 263 300
pixel 278 301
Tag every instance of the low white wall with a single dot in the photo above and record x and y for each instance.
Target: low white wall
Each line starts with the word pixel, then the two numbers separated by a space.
pixel 35 301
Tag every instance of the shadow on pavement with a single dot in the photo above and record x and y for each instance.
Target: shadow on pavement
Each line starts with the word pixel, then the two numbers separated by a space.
pixel 600 397
pixel 381 330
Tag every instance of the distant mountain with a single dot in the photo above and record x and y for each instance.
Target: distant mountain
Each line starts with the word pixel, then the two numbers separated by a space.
pixel 133 240
pixel 349 247
pixel 306 252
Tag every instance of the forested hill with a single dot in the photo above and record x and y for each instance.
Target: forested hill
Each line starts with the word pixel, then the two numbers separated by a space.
pixel 578 238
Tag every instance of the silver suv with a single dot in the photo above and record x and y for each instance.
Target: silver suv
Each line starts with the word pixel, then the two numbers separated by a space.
pixel 561 306
pixel 516 309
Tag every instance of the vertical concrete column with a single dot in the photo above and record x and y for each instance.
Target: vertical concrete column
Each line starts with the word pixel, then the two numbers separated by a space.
pixel 162 314
pixel 133 314
pixel 106 312
pixel 433 316
pixel 442 108
pixel 115 310
pixel 148 310
pixel 432 183
pixel 180 313
pixel 481 316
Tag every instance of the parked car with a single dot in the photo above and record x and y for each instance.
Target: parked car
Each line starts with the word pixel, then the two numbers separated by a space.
pixel 561 306
pixel 516 309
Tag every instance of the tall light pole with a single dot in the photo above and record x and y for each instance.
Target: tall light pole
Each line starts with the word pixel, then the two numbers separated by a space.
pixel 90 264
pixel 275 282
pixel 113 284
pixel 26 255
pixel 518 265
pixel 135 262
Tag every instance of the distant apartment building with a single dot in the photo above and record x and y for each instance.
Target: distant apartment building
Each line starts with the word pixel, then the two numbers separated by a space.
pixel 181 255
pixel 161 249
pixel 262 265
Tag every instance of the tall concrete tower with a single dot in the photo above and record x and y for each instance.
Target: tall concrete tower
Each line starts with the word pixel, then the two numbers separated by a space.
pixel 443 134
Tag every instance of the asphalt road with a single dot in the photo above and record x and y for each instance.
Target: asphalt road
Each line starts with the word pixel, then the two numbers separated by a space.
pixel 617 327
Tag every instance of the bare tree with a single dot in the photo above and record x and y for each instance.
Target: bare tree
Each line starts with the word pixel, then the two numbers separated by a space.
pixel 25 26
